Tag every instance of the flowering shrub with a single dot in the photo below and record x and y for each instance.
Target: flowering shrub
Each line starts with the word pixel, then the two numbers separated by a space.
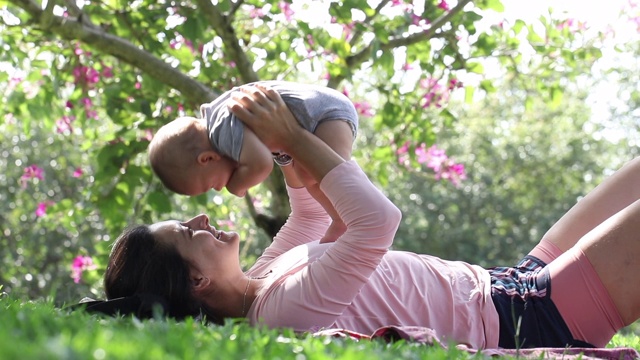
pixel 80 264
pixel 435 159
pixel 31 172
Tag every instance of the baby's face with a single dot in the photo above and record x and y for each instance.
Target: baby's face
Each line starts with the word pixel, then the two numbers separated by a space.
pixel 200 178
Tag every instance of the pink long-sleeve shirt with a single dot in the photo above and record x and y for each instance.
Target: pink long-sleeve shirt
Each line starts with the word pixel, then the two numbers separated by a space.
pixel 357 283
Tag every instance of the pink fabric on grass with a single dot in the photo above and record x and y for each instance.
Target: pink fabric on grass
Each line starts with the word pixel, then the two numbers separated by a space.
pixel 429 337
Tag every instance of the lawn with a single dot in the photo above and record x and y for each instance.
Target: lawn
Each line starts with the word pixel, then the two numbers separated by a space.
pixel 38 330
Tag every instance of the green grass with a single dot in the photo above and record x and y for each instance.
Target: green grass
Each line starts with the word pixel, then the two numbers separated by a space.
pixel 38 330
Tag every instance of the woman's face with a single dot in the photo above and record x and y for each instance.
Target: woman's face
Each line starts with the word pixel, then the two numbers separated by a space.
pixel 203 246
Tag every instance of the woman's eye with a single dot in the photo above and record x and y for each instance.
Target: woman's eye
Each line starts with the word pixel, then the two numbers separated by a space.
pixel 189 230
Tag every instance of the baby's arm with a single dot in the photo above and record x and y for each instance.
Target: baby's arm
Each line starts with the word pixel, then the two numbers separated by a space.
pixel 254 165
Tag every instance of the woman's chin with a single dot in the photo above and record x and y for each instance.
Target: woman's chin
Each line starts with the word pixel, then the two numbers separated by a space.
pixel 229 237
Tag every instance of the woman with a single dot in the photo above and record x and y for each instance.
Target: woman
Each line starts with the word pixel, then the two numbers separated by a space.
pixel 588 259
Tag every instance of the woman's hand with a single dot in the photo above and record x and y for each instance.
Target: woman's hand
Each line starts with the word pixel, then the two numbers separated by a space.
pixel 262 109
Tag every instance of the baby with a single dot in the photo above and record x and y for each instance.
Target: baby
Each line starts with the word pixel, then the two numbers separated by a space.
pixel 192 155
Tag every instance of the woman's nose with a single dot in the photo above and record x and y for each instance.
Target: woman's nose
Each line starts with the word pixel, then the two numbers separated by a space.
pixel 201 221
pixel 205 221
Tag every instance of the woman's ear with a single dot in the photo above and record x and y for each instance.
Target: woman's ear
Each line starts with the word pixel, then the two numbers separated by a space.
pixel 206 156
pixel 199 282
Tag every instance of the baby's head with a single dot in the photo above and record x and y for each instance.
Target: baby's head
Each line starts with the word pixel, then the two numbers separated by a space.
pixel 180 155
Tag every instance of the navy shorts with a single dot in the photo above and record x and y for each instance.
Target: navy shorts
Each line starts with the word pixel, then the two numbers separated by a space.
pixel 528 317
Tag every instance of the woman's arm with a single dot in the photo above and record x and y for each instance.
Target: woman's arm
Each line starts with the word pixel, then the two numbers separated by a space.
pixel 319 293
pixel 307 222
pixel 263 110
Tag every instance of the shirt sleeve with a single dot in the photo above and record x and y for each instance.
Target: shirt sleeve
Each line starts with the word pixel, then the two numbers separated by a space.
pixel 307 222
pixel 318 293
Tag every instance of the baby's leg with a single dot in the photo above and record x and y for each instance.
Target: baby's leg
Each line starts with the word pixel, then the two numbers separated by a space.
pixel 611 196
pixel 338 135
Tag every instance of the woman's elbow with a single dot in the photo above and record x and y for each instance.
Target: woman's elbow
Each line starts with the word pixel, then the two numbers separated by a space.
pixel 390 215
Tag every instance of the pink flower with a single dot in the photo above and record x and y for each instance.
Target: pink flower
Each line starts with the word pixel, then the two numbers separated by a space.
pixel 432 157
pixel 454 173
pixel 437 95
pixel 84 75
pixel 86 102
pixel 107 72
pixel 91 114
pixel 347 30
pixel 363 108
pixel 81 263
pixel 255 12
pixel 443 167
pixel 403 149
pixel 41 210
pixel 14 81
pixel 77 173
pixel 403 154
pixel 454 83
pixel 93 76
pixel 571 25
pixel 148 135
pixel 285 7
pixel 443 5
pixel 64 124
pixel 230 223
pixel 31 172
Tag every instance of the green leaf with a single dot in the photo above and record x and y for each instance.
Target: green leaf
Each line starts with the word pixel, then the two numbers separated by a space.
pixel 517 27
pixel 487 85
pixel 159 202
pixel 475 67
pixel 528 104
pixel 495 5
pixel 468 94
pixel 555 94
pixel 448 117
pixel 533 37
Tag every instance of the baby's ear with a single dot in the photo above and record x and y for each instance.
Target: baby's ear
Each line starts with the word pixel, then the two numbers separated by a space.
pixel 207 156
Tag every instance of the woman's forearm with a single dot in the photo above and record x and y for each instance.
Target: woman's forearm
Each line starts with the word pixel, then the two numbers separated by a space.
pixel 263 110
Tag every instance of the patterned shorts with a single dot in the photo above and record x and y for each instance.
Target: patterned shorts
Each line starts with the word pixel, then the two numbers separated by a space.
pixel 528 317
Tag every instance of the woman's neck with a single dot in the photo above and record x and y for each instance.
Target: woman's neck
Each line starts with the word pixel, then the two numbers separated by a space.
pixel 236 301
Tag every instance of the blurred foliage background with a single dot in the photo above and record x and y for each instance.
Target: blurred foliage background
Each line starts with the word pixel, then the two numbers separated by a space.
pixel 86 84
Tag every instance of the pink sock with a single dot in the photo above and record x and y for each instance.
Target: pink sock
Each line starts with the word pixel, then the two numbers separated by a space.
pixel 546 251
pixel 582 299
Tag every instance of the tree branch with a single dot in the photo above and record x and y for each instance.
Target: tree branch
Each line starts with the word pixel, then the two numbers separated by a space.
pixel 357 35
pixel 223 28
pixel 275 182
pixel 357 59
pixel 77 29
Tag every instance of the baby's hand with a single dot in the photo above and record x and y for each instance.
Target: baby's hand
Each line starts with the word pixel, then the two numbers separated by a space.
pixel 263 110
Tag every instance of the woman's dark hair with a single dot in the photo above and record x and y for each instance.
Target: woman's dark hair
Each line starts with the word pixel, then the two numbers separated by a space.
pixel 140 264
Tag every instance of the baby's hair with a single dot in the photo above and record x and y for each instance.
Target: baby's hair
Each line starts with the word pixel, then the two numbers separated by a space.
pixel 173 150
